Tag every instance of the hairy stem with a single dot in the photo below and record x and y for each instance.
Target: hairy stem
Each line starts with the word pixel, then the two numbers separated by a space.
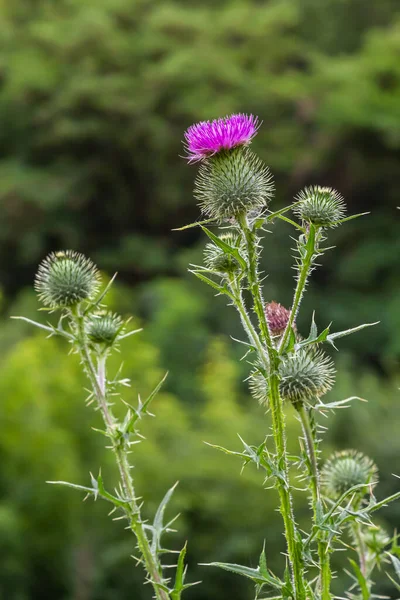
pixel 98 381
pixel 278 420
pixel 323 553
pixel 304 272
pixel 361 548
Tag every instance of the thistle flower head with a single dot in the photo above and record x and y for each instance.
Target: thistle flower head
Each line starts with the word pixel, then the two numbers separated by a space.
pixel 232 183
pixel 304 376
pixel 277 317
pixel 346 469
pixel 206 138
pixel 322 206
pixel 217 260
pixel 104 328
pixel 66 278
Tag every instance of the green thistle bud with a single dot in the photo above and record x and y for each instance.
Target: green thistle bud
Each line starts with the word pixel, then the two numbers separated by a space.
pixel 376 539
pixel 66 278
pixel 104 328
pixel 346 469
pixel 217 260
pixel 321 206
pixel 258 386
pixel 304 376
pixel 232 183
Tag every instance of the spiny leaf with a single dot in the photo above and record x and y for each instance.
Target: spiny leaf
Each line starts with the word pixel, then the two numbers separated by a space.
pixel 396 564
pixel 195 224
pixel 134 414
pixel 96 490
pixel 102 295
pixel 226 248
pixel 253 574
pixel 220 289
pixel 361 580
pixel 180 585
pixel 350 218
pixel 180 575
pixel 158 523
pixel 334 336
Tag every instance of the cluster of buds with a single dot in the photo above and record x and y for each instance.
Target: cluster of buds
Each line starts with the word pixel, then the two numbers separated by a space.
pixel 67 280
pixel 305 375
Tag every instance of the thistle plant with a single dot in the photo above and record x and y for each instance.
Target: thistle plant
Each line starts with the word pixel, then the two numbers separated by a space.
pixel 68 284
pixel 287 371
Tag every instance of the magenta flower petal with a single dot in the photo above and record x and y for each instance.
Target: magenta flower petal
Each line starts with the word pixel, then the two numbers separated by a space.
pixel 209 137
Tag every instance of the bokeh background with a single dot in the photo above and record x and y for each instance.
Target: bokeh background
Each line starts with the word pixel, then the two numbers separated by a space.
pixel 94 98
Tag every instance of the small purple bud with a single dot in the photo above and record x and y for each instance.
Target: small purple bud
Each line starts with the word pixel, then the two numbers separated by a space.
pixel 277 317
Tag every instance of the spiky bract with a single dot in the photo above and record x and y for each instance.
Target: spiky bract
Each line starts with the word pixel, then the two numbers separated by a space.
pixel 65 278
pixel 346 469
pixel 258 385
pixel 104 328
pixel 218 260
pixel 232 183
pixel 277 317
pixel 322 206
pixel 304 376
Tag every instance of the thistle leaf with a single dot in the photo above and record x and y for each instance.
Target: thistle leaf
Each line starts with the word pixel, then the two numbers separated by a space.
pixel 362 582
pixel 195 224
pixel 158 528
pixel 220 289
pixel 226 248
pixel 254 574
pixel 334 336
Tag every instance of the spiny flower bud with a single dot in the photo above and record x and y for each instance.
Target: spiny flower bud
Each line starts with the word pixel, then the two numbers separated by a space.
pixel 277 317
pixel 304 376
pixel 346 469
pixel 321 206
pixel 217 260
pixel 104 328
pixel 232 183
pixel 66 278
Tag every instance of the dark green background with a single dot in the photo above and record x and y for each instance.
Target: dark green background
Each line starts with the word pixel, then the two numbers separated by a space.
pixel 94 98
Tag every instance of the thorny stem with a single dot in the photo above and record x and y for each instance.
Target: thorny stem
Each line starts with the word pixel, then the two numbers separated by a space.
pixel 361 548
pixel 304 272
pixel 278 421
pixel 323 552
pixel 120 450
pixel 246 321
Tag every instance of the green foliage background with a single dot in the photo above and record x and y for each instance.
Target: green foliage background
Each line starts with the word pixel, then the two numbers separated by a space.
pixel 94 98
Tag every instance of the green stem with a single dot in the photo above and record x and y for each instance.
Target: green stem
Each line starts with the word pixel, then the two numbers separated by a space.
pixel 246 321
pixel 304 272
pixel 278 421
pixel 361 548
pixel 99 385
pixel 312 456
pixel 323 552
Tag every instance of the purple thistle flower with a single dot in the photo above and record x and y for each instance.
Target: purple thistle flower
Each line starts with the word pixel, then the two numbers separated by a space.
pixel 209 137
